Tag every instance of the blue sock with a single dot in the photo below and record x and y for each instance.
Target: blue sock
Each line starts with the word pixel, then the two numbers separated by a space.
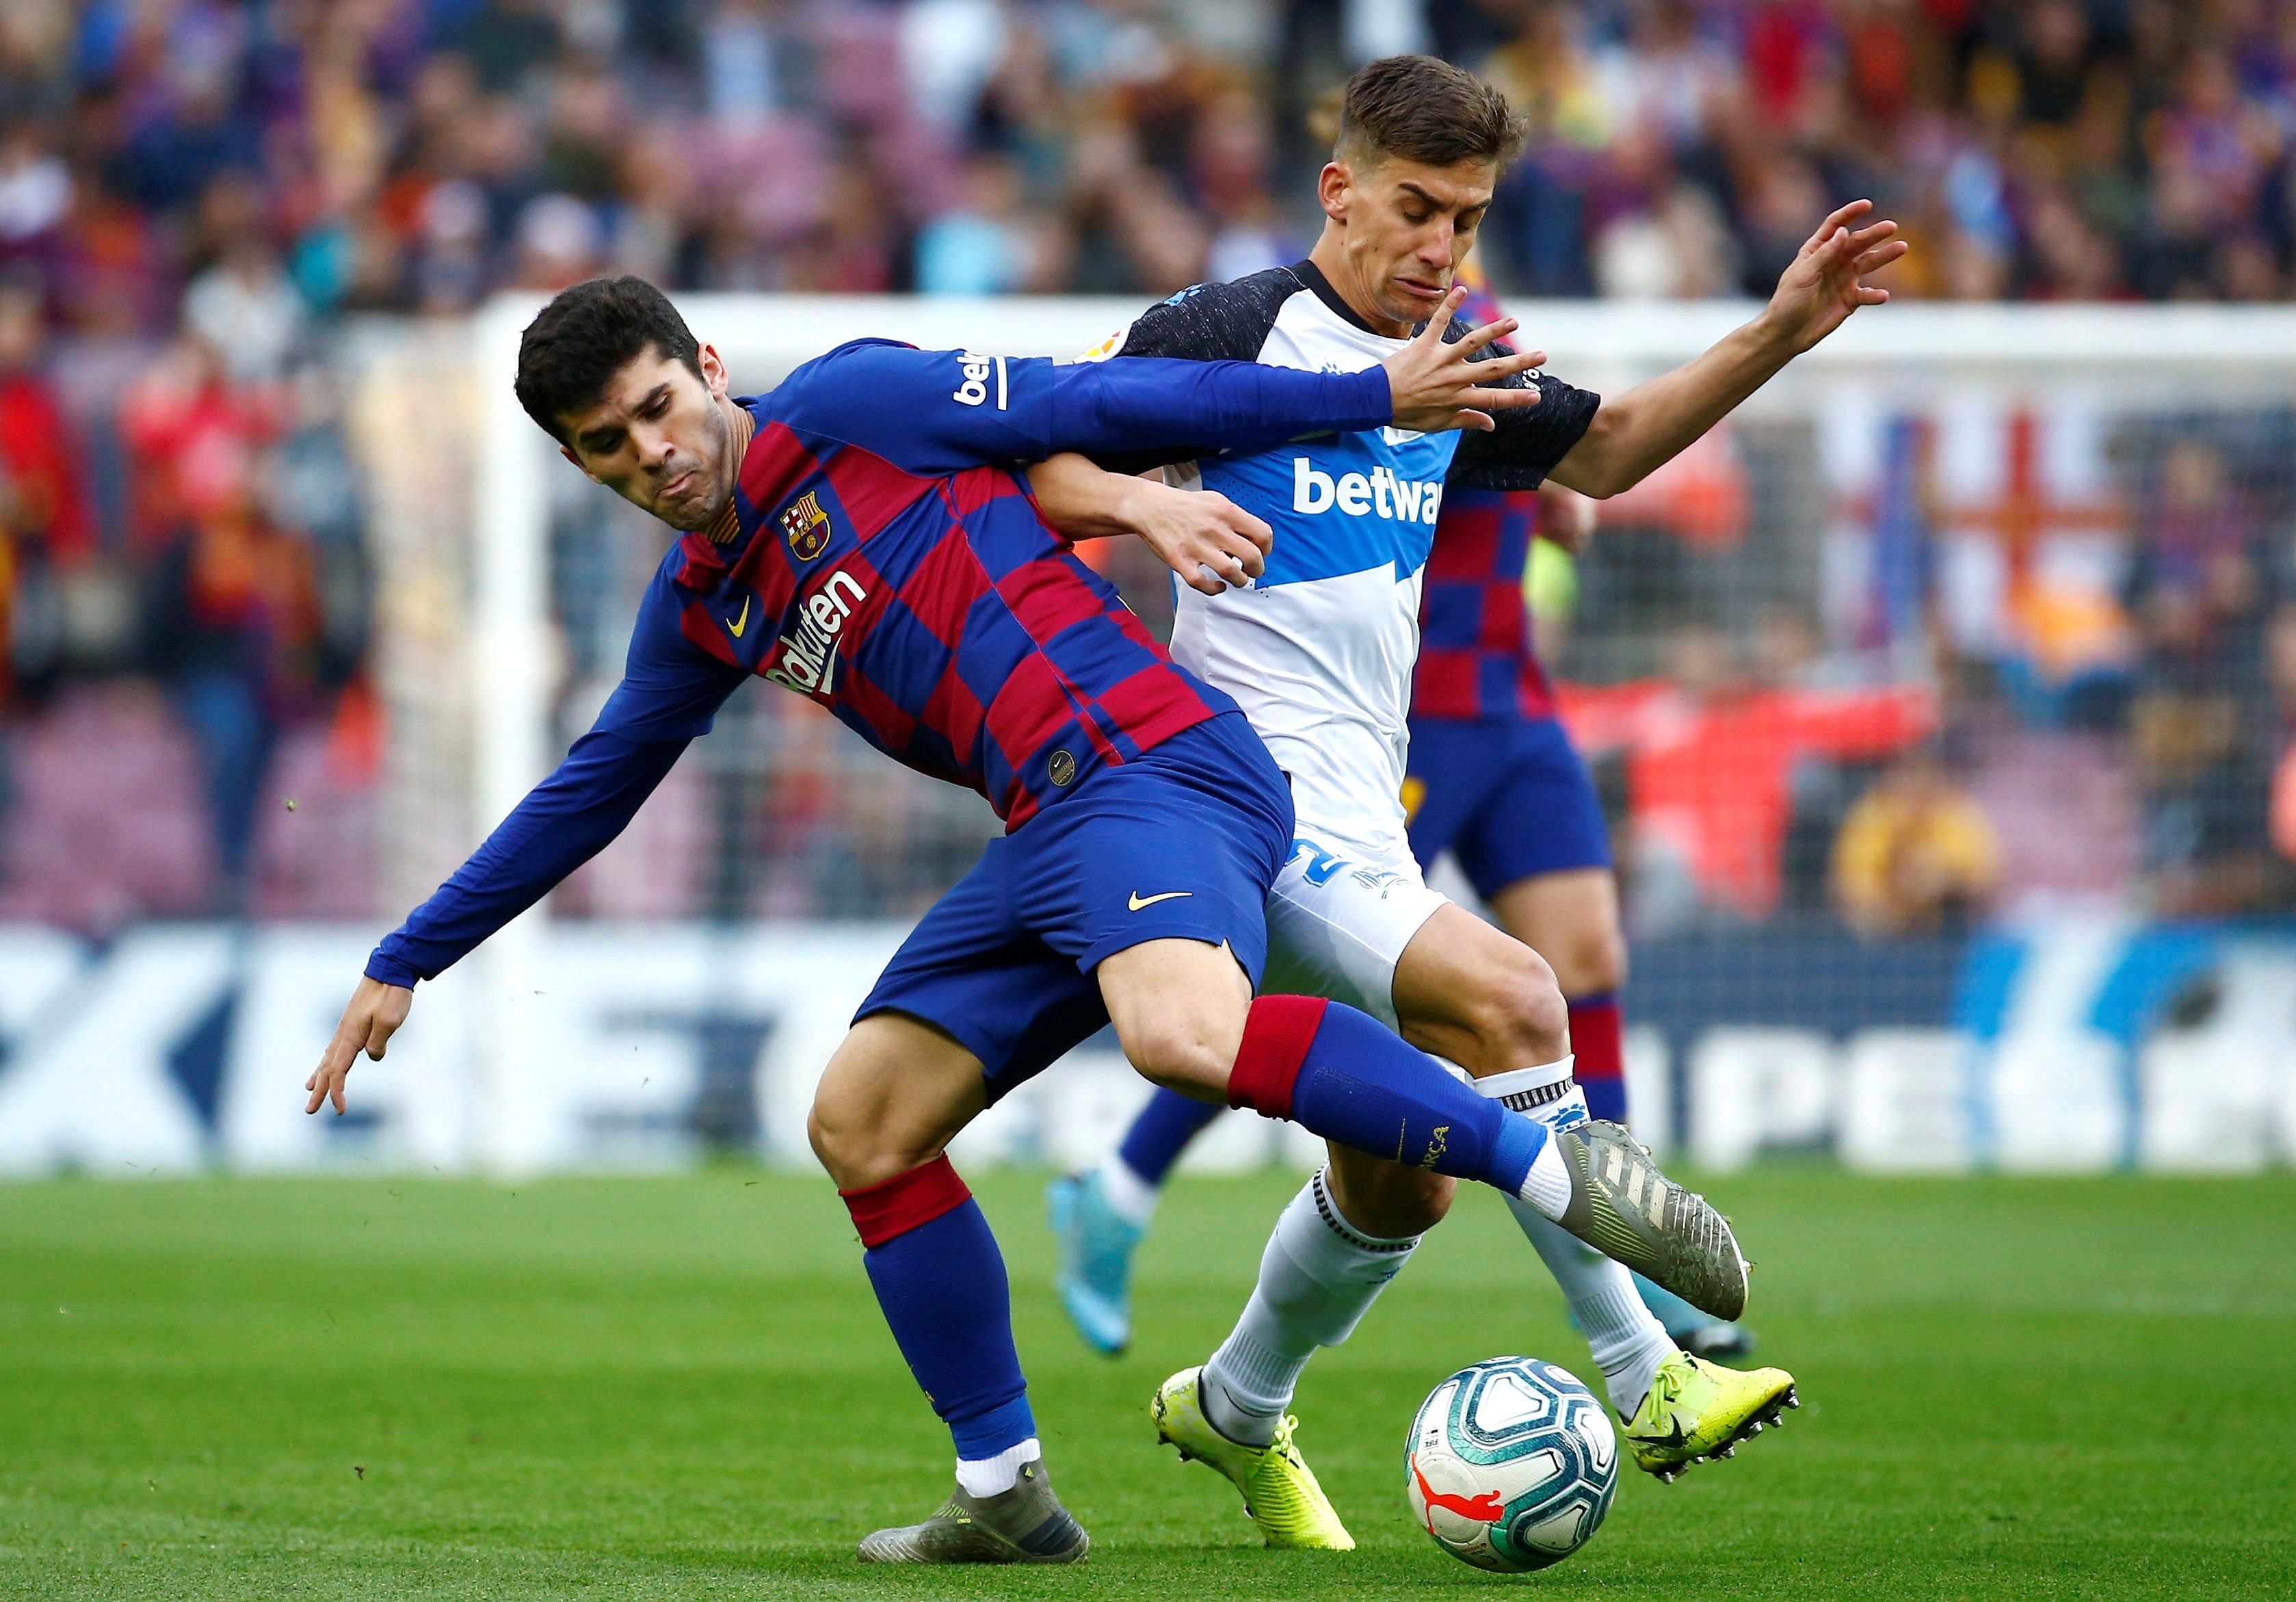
pixel 1162 1131
pixel 941 1284
pixel 1348 1078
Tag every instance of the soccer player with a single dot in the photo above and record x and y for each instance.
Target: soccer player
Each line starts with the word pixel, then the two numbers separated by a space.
pixel 1319 653
pixel 861 536
pixel 1492 777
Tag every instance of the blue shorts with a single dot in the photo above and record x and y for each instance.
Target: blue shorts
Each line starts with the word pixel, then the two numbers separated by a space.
pixel 1182 843
pixel 1508 797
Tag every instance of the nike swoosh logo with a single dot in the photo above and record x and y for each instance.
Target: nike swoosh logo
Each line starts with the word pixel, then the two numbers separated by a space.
pixel 742 622
pixel 1670 1440
pixel 1139 901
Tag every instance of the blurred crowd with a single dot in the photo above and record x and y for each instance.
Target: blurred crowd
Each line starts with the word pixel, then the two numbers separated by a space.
pixel 196 196
pixel 2023 662
pixel 295 158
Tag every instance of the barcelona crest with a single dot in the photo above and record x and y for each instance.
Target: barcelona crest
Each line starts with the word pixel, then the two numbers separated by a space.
pixel 806 525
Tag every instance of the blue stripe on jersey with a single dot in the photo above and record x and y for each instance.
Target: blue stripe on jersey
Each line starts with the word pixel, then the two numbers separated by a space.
pixel 1451 612
pixel 904 660
pixel 1002 542
pixel 994 645
pixel 1342 504
pixel 1089 655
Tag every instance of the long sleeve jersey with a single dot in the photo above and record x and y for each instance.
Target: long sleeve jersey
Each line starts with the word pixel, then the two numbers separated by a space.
pixel 882 558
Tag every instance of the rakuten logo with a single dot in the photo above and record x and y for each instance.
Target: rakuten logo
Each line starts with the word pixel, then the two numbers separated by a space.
pixel 809 652
pixel 1404 501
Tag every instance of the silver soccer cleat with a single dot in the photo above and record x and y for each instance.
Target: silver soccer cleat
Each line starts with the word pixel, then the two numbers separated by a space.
pixel 1624 1207
pixel 1024 1525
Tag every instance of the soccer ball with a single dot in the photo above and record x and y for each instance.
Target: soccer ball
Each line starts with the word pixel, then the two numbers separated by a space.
pixel 1511 1465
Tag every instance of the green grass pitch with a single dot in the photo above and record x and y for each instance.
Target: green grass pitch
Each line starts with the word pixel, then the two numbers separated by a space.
pixel 680 1387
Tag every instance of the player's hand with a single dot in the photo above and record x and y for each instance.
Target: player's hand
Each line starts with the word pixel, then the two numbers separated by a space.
pixel 375 1012
pixel 1213 544
pixel 1827 280
pixel 1435 387
pixel 1566 518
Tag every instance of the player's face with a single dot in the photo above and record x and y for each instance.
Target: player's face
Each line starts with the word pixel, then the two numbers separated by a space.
pixel 1405 228
pixel 659 437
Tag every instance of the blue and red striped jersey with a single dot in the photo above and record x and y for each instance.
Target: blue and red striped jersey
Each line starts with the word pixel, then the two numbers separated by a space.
pixel 873 565
pixel 882 558
pixel 1476 656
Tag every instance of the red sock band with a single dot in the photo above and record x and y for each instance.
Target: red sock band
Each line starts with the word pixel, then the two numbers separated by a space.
pixel 1276 1035
pixel 1595 1039
pixel 906 1202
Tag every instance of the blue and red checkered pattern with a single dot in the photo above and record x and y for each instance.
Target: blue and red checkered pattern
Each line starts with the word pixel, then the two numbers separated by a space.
pixel 1476 658
pixel 935 615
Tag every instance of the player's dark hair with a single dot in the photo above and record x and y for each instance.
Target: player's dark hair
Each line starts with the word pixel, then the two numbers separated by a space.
pixel 584 336
pixel 1424 109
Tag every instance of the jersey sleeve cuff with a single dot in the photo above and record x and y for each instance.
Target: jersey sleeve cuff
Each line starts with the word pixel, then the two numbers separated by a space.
pixel 1374 400
pixel 386 969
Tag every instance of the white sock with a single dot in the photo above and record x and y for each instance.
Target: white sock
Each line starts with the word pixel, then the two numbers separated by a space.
pixel 1129 1196
pixel 1317 1278
pixel 992 1477
pixel 1535 1093
pixel 1627 1341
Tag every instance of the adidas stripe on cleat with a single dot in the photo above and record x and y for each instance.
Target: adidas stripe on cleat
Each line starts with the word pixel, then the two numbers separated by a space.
pixel 1621 1205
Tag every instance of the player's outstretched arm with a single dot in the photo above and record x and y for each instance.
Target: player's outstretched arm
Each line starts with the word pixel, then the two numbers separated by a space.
pixel 941 411
pixel 1651 424
pixel 564 822
pixel 668 694
pixel 375 1012
pixel 1208 540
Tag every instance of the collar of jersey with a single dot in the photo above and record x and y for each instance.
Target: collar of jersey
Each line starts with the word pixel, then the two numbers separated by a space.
pixel 1312 277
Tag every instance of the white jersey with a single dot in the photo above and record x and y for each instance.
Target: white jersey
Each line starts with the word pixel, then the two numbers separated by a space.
pixel 1319 651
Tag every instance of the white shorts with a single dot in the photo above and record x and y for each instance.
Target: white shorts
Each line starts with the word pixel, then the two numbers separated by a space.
pixel 1336 927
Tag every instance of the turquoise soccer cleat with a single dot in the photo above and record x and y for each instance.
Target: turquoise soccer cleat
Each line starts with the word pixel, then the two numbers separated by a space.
pixel 1095 1273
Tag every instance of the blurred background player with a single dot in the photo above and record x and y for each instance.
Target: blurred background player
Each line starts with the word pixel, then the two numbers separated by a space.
pixel 1495 780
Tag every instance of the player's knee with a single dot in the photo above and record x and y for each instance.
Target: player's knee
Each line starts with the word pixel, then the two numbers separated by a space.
pixel 851 1145
pixel 1188 1048
pixel 833 1142
pixel 1179 1058
pixel 1519 1018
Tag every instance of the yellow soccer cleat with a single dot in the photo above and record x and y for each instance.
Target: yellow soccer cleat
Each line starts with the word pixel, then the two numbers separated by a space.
pixel 1279 1489
pixel 1696 1409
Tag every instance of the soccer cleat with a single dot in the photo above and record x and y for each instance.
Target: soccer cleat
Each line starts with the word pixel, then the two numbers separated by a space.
pixel 1280 1492
pixel 1095 1273
pixel 1024 1525
pixel 1696 1409
pixel 1693 1331
pixel 1624 1208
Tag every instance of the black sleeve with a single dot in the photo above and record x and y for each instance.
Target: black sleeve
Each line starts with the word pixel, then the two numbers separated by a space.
pixel 1526 445
pixel 1207 323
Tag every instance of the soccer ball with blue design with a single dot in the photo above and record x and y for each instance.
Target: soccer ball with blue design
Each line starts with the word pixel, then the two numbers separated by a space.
pixel 1511 1465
